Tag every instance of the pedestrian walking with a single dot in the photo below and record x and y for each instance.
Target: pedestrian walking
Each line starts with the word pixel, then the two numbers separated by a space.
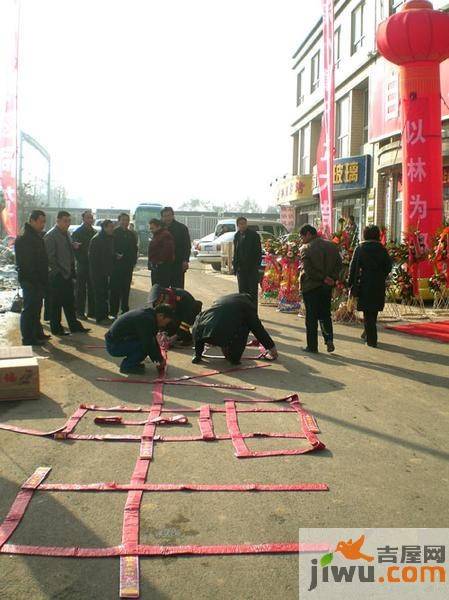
pixel 101 260
pixel 125 259
pixel 368 271
pixel 181 237
pixel 161 254
pixel 133 335
pixel 247 259
pixel 321 266
pixel 227 324
pixel 61 262
pixel 32 269
pixel 83 287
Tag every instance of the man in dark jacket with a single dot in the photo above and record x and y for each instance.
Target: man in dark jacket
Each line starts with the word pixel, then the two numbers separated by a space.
pixel 181 236
pixel 133 335
pixel 369 269
pixel 185 307
pixel 125 258
pixel 247 259
pixel 321 266
pixel 101 259
pixel 81 239
pixel 227 324
pixel 32 268
pixel 61 262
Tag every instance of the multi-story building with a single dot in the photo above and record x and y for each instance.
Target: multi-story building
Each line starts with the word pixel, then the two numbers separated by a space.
pixel 367 171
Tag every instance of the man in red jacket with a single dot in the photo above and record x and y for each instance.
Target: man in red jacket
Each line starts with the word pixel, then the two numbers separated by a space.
pixel 161 254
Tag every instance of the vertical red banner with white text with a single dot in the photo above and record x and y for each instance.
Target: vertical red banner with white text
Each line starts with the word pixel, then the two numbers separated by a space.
pixel 325 150
pixel 9 32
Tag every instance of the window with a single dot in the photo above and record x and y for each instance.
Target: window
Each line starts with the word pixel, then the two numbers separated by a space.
pixel 300 88
pixel 269 228
pixel 337 41
pixel 342 128
pixel 396 5
pixel 365 116
pixel 315 70
pixel 304 148
pixel 357 28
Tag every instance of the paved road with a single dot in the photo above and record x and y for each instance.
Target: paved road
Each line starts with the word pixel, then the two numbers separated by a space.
pixel 384 418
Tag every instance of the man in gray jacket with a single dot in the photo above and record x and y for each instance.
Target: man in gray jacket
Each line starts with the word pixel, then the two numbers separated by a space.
pixel 61 264
pixel 321 266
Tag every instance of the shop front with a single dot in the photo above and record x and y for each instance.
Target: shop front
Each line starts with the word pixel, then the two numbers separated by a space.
pixel 293 193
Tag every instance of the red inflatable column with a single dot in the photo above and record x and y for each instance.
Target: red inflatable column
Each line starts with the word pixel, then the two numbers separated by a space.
pixel 417 39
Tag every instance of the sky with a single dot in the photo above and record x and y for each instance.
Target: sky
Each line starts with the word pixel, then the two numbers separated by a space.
pixel 162 101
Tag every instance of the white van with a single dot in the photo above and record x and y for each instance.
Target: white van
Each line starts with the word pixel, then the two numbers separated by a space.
pixel 209 250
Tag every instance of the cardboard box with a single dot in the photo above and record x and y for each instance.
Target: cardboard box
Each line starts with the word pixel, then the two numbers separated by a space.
pixel 19 379
pixel 16 352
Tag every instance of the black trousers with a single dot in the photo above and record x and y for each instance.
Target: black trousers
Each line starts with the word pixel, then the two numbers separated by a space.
pixel 318 310
pixel 177 275
pixel 30 319
pixel 370 321
pixel 161 274
pixel 83 289
pixel 248 283
pixel 121 279
pixel 100 283
pixel 62 297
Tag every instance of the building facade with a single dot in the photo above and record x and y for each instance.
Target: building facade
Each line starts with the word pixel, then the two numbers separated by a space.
pixel 367 170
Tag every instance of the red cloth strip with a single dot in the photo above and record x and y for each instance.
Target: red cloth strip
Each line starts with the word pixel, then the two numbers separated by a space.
pixel 20 504
pixel 183 487
pixel 192 383
pixel 205 423
pixel 214 409
pixel 116 420
pixel 142 550
pixel 71 423
pixel 180 438
pixel 129 577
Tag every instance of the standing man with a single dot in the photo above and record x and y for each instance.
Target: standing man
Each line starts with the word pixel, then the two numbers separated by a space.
pixel 81 239
pixel 61 262
pixel 181 236
pixel 32 268
pixel 321 266
pixel 101 260
pixel 247 259
pixel 125 249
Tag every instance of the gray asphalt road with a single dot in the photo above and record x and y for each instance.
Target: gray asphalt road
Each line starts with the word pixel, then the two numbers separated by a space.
pixel 384 419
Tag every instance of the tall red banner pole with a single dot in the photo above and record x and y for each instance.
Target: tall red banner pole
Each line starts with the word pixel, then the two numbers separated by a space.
pixel 417 39
pixel 325 150
pixel 9 13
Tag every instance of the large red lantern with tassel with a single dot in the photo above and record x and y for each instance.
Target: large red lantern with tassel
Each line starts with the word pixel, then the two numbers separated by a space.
pixel 417 39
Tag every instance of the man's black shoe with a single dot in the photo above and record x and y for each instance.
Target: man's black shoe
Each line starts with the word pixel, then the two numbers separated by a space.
pixel 81 316
pixel 137 370
pixel 330 347
pixel 196 360
pixel 307 349
pixel 80 329
pixel 60 332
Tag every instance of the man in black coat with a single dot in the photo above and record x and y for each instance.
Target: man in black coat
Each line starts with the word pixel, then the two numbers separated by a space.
pixel 181 236
pixel 227 324
pixel 369 269
pixel 101 260
pixel 125 258
pixel 133 335
pixel 185 307
pixel 81 239
pixel 32 268
pixel 247 259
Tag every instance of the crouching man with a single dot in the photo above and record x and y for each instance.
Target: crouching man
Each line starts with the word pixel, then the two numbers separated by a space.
pixel 185 308
pixel 227 324
pixel 133 335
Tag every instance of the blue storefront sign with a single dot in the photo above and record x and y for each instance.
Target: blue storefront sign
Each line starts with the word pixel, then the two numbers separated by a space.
pixel 350 173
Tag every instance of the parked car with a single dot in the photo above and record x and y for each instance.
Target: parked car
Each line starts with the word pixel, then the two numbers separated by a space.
pixel 209 252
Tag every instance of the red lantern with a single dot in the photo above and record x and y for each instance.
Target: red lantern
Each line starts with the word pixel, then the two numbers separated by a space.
pixel 417 39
